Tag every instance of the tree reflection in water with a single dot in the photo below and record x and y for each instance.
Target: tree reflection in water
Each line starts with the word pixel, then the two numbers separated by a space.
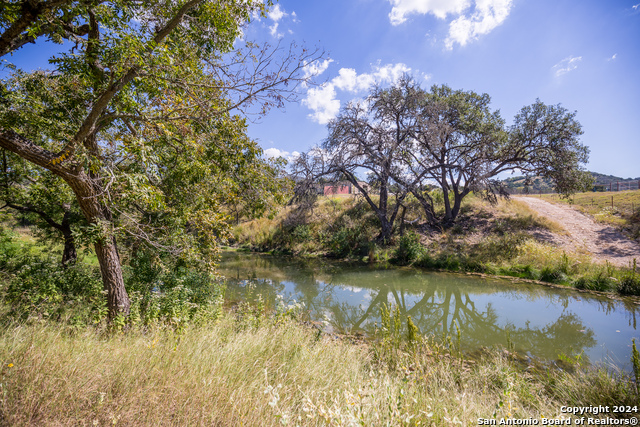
pixel 541 321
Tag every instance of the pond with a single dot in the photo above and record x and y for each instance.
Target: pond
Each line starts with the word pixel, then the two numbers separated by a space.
pixel 539 321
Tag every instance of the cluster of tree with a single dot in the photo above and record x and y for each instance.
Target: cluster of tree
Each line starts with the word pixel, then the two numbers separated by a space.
pixel 407 140
pixel 523 185
pixel 137 134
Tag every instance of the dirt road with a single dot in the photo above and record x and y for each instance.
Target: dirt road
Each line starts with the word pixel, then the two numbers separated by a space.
pixel 604 242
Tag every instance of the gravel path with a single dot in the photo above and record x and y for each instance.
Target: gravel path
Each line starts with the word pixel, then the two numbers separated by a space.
pixel 604 242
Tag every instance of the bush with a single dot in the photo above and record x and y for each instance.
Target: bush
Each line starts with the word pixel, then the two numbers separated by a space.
pixel 175 296
pixel 302 233
pixel 41 288
pixel 409 248
pixel 348 241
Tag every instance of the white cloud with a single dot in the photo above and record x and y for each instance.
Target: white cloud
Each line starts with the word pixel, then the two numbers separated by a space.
pixel 439 8
pixel 615 55
pixel 566 65
pixel 274 30
pixel 488 15
pixel 323 100
pixel 635 6
pixel 274 153
pixel 276 13
pixel 316 68
pixel 472 18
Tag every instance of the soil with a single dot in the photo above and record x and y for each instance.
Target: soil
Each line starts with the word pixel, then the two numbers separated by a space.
pixel 603 242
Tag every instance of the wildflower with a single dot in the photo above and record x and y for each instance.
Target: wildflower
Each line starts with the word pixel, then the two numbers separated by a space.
pixel 10 365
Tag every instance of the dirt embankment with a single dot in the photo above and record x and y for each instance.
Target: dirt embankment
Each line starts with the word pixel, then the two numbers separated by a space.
pixel 603 242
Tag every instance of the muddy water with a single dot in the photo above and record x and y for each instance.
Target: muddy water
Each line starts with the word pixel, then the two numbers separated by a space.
pixel 538 321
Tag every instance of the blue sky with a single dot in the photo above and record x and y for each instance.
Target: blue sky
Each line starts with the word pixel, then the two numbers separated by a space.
pixel 583 54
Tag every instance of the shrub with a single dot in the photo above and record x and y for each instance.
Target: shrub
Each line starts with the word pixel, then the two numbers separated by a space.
pixel 302 233
pixel 174 296
pixel 348 241
pixel 409 248
pixel 629 286
pixel 41 288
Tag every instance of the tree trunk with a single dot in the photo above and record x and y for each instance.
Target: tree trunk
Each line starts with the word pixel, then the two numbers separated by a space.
pixel 69 255
pixel 88 193
pixel 117 298
pixel 385 231
pixel 427 206
pixel 457 200
pixel 457 203
pixel 448 219
pixel 404 211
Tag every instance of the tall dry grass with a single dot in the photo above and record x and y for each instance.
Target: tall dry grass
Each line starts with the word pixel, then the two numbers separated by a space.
pixel 231 374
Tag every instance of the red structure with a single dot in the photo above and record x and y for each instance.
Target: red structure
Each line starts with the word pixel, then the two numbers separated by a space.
pixel 337 189
pixel 343 187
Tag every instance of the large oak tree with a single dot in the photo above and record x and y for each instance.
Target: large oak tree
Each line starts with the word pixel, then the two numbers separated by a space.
pixel 411 140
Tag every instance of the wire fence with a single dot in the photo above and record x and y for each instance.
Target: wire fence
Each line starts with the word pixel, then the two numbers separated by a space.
pixel 598 188
pixel 619 186
pixel 615 203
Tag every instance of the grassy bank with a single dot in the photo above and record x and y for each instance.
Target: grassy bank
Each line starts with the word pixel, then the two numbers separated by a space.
pixel 272 372
pixel 508 239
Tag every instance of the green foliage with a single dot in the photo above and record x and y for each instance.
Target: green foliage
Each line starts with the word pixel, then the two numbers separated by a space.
pixel 553 274
pixel 630 283
pixel 38 288
pixel 348 241
pixel 176 296
pixel 391 327
pixel 524 271
pixel 595 282
pixel 302 233
pixel 409 248
pixel 133 123
pixel 413 332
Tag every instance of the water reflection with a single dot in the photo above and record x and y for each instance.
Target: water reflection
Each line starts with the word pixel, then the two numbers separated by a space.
pixel 540 321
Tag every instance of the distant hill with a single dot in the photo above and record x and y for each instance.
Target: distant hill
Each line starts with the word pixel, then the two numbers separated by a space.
pixel 538 184
pixel 607 179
